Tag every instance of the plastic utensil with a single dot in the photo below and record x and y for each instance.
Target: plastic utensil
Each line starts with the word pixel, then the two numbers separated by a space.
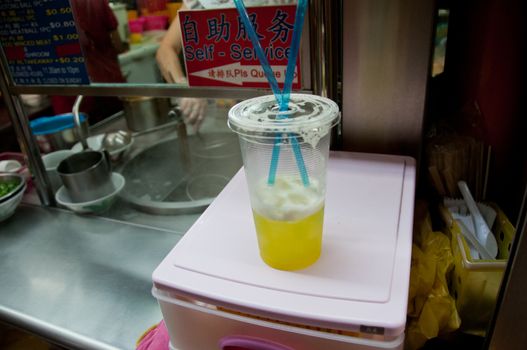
pixel 469 225
pixel 459 211
pixel 483 233
pixel 459 206
pixel 472 240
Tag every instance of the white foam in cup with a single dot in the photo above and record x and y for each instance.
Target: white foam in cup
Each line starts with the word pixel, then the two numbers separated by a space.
pixel 288 199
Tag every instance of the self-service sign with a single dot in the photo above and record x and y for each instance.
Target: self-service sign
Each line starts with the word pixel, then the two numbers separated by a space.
pixel 218 51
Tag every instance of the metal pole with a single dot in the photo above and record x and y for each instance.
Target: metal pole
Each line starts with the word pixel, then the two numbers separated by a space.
pixel 506 329
pixel 318 54
pixel 129 89
pixel 325 28
pixel 26 141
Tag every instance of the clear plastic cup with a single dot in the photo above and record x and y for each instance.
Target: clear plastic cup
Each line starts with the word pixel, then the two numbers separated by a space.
pixel 289 212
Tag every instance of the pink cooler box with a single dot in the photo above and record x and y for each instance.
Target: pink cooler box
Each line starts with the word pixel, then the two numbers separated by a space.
pixel 136 25
pixel 216 293
pixel 155 22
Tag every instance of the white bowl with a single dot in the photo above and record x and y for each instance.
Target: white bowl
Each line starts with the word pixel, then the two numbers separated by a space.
pixel 95 206
pixel 51 162
pixel 8 207
pixel 95 143
pixel 10 166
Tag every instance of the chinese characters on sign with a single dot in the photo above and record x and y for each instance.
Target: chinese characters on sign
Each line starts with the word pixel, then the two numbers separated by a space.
pixel 218 51
pixel 41 43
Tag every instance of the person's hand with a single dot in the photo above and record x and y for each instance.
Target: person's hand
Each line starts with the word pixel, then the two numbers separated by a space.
pixel 193 111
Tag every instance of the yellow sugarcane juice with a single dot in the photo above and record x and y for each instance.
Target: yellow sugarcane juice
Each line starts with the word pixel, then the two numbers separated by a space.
pixel 288 220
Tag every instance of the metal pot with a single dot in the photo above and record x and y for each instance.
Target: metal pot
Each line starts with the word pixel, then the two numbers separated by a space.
pixel 57 132
pixel 144 113
pixel 87 175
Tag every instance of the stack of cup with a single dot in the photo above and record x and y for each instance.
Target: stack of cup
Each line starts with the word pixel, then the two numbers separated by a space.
pixel 51 162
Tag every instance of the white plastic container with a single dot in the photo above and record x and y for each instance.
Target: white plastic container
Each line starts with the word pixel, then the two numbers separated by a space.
pixel 214 291
pixel 119 10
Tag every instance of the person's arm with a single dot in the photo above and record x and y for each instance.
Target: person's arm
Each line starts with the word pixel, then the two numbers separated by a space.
pixel 167 55
pixel 106 18
pixel 117 42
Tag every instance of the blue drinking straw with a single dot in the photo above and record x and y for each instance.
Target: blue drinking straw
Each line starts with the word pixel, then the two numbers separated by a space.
pixel 281 97
pixel 291 63
pixel 258 48
pixel 295 44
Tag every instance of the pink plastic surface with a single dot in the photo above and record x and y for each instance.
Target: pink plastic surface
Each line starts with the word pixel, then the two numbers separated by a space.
pixel 156 339
pixel 240 342
pixel 155 22
pixel 136 25
pixel 192 326
pixel 360 283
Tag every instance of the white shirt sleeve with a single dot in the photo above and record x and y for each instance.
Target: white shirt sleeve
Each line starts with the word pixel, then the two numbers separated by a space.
pixel 192 4
pixel 214 4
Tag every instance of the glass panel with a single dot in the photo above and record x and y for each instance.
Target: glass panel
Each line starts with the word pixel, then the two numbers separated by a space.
pixel 170 171
pixel 74 42
pixel 99 37
pixel 182 152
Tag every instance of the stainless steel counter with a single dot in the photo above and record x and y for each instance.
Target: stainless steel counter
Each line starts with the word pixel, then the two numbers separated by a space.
pixel 84 282
pixel 79 281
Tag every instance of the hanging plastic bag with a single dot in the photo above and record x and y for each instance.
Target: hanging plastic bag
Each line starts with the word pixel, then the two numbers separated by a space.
pixel 431 309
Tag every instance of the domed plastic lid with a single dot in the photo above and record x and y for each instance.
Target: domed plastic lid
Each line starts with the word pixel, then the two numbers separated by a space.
pixel 307 114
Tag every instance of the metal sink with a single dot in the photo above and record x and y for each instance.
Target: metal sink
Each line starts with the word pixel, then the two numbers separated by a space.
pixel 181 176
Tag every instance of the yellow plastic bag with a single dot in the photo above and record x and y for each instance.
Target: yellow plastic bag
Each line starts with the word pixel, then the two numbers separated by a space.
pixel 431 309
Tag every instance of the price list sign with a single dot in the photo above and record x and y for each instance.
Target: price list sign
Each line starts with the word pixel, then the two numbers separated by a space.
pixel 41 43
